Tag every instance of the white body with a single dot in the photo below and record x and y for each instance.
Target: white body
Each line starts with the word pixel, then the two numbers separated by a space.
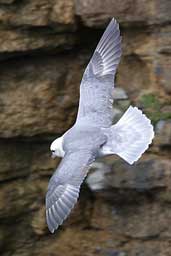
pixel 128 138
pixel 58 151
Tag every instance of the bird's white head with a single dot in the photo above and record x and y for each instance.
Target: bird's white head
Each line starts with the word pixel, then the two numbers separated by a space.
pixel 57 147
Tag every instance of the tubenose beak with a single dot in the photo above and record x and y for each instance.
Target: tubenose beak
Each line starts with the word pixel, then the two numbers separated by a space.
pixel 53 154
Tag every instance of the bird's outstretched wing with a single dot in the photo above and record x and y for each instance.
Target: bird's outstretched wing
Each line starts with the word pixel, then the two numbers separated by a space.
pixel 96 88
pixel 64 186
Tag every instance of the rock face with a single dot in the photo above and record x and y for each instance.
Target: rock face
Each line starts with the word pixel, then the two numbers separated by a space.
pixel 44 48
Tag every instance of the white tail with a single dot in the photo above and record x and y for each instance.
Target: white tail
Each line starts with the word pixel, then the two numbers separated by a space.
pixel 130 136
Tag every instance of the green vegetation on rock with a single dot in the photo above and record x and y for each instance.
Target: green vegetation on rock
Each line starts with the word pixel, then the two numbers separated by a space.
pixel 153 108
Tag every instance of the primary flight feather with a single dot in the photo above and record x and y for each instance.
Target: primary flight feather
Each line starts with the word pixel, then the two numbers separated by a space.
pixel 93 134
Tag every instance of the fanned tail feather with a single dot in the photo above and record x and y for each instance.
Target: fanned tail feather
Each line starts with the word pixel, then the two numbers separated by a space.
pixel 131 135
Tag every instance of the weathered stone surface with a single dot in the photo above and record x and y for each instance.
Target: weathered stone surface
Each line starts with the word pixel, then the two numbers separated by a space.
pixel 7 1
pixel 21 41
pixel 119 94
pixel 130 76
pixel 19 19
pixel 66 8
pixel 36 96
pixel 26 158
pixel 44 47
pixel 126 11
pixel 146 174
pixel 37 13
pixel 163 133
pixel 162 67
pixel 162 10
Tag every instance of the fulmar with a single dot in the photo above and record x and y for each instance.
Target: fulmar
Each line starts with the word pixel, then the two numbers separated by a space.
pixel 93 135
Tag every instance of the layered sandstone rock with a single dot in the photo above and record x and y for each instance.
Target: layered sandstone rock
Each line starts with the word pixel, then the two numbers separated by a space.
pixel 44 48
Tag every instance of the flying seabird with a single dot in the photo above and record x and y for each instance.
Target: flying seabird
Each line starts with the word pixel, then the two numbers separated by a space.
pixel 93 135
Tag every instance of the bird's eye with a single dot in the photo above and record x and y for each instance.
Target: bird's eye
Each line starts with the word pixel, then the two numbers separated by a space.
pixel 53 151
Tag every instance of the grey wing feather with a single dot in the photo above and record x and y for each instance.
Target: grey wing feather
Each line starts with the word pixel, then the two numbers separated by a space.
pixel 108 51
pixel 98 79
pixel 64 186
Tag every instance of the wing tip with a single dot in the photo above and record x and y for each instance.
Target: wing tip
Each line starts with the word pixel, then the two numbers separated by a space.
pixel 109 47
pixel 109 52
pixel 113 21
pixel 59 210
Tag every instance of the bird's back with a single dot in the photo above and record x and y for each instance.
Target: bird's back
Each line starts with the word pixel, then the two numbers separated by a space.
pixel 83 137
